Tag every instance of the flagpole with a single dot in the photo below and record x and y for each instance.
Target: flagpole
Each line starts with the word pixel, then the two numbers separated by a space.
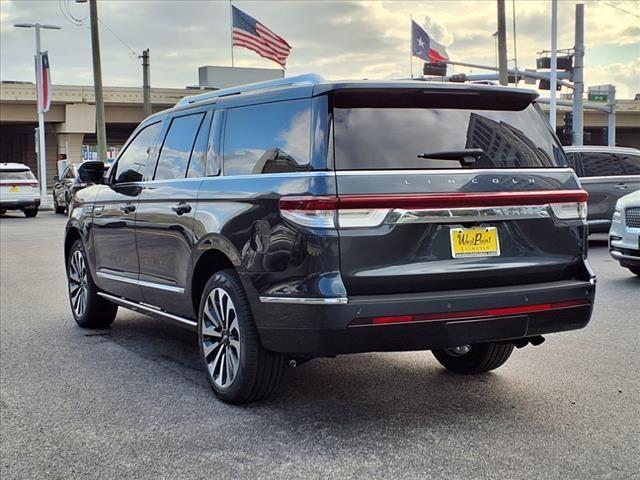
pixel 231 29
pixel 411 44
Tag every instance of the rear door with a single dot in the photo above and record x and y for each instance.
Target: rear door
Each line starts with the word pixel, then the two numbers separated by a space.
pixel 448 192
pixel 605 180
pixel 630 163
pixel 165 215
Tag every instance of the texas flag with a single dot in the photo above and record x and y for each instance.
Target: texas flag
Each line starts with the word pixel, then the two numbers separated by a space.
pixel 424 47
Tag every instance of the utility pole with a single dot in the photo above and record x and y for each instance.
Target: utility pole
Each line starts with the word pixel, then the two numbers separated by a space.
pixel 101 133
pixel 502 44
pixel 42 149
pixel 146 88
pixel 611 124
pixel 553 83
pixel 578 71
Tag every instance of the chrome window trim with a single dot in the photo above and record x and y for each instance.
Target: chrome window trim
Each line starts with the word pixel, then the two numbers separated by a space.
pixel 610 178
pixel 141 283
pixel 306 300
pixel 474 171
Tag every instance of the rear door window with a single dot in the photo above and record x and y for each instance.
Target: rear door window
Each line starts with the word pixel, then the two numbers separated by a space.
pixel 268 138
pixel 630 163
pixel 599 164
pixel 389 137
pixel 177 146
pixel 16 175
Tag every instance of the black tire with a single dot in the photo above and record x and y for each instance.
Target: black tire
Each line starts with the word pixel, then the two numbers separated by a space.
pixel 257 371
pixel 57 208
pixel 635 270
pixel 30 212
pixel 2 212
pixel 97 312
pixel 480 358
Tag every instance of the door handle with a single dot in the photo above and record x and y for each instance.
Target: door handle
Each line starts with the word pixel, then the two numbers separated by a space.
pixel 127 208
pixel 181 208
pixel 622 186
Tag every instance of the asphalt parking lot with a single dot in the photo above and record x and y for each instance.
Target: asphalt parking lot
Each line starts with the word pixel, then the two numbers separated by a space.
pixel 132 401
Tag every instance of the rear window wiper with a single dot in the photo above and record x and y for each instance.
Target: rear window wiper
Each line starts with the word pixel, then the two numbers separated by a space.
pixel 468 156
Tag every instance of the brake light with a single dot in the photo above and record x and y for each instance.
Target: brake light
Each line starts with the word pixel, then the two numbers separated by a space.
pixel 352 211
pixel 469 314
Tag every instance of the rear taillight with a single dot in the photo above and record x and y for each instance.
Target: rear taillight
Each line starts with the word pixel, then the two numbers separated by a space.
pixel 353 211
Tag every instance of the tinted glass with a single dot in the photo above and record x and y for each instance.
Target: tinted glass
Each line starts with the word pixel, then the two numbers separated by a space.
pixel 630 163
pixel 270 138
pixel 599 164
pixel 16 175
pixel 176 150
pixel 392 138
pixel 198 161
pixel 131 164
pixel 572 159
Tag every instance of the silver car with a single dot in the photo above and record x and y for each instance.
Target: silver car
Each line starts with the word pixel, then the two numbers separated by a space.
pixel 607 173
pixel 624 236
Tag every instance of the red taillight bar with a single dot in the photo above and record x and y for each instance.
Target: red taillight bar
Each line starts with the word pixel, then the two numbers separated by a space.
pixel 434 200
pixel 469 314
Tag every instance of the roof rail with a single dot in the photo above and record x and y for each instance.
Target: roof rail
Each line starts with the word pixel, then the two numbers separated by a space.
pixel 299 80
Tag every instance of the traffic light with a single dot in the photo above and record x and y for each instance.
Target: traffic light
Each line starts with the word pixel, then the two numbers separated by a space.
pixel 566 135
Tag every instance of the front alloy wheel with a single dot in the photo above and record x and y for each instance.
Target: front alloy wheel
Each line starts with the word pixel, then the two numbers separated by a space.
pixel 78 283
pixel 221 338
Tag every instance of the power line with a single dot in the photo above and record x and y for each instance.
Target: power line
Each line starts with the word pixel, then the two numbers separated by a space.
pixel 133 52
pixel 621 9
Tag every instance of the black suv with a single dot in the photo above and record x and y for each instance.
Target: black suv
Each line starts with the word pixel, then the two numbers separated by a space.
pixel 299 218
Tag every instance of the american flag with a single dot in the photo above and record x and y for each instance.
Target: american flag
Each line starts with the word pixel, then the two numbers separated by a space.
pixel 43 82
pixel 251 34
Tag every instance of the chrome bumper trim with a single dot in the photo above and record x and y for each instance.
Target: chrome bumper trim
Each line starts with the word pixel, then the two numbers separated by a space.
pixel 621 256
pixel 306 301
pixel 477 214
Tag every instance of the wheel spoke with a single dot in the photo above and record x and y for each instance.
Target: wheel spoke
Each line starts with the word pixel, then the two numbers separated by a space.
pixel 229 367
pixel 210 331
pixel 208 348
pixel 213 366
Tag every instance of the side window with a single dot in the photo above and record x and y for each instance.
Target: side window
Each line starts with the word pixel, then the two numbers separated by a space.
pixel 198 161
pixel 177 146
pixel 598 164
pixel 630 163
pixel 132 162
pixel 269 138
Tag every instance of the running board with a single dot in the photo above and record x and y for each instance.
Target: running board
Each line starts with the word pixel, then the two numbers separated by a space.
pixel 149 309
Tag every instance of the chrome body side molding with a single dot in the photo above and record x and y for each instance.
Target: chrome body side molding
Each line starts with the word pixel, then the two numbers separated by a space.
pixel 142 283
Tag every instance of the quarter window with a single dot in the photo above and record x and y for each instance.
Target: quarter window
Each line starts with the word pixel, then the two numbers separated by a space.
pixel 269 138
pixel 599 164
pixel 133 161
pixel 176 150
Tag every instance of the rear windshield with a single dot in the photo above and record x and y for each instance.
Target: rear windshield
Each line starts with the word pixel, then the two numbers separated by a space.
pixel 16 175
pixel 394 138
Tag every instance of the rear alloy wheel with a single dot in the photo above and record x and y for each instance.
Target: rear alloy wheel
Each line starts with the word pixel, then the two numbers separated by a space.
pixel 238 368
pixel 473 359
pixel 89 309
pixel 30 212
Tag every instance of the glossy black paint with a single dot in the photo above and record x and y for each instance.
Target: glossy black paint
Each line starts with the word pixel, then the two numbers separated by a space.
pixel 146 238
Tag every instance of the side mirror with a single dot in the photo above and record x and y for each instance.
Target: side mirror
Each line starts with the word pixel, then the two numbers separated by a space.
pixel 56 178
pixel 91 172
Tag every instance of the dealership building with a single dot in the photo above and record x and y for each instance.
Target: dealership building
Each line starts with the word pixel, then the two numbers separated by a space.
pixel 70 123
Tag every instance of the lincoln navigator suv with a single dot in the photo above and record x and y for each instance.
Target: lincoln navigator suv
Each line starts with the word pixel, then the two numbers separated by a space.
pixel 300 218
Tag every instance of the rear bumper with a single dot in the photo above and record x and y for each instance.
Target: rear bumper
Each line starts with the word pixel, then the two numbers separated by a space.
pixel 328 329
pixel 19 204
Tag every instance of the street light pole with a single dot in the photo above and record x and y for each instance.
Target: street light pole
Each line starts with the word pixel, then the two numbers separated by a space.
pixel 101 133
pixel 42 152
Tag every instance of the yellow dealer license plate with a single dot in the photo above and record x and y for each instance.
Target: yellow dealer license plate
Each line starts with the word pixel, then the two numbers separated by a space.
pixel 14 189
pixel 475 242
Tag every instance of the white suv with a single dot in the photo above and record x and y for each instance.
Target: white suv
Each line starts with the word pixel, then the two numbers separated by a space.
pixel 19 189
pixel 624 236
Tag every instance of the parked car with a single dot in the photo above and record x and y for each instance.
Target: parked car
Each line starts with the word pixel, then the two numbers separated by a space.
pixel 63 188
pixel 624 236
pixel 66 185
pixel 299 218
pixel 19 189
pixel 607 173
